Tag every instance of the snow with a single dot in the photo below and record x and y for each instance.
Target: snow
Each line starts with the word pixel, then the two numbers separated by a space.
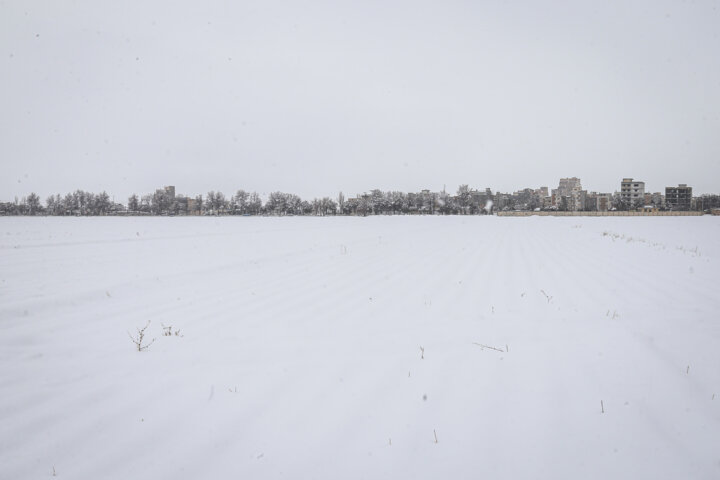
pixel 344 347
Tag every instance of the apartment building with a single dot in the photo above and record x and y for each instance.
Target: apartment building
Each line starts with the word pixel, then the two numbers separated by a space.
pixel 678 198
pixel 632 192
pixel 569 193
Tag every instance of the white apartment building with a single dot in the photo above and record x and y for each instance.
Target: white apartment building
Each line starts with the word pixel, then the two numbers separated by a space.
pixel 632 192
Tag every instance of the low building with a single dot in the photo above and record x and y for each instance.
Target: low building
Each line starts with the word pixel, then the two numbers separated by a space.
pixel 657 199
pixel 603 202
pixel 193 208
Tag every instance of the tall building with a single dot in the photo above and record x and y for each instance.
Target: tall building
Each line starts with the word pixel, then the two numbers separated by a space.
pixel 569 189
pixel 678 198
pixel 567 185
pixel 632 192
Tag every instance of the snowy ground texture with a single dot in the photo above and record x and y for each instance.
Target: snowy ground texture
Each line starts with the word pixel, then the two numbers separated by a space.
pixel 344 348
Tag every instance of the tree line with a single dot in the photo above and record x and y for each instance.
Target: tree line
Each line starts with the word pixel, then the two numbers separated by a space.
pixel 165 202
pixel 76 203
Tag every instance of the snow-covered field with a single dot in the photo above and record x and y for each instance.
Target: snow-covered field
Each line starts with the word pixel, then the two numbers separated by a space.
pixel 343 348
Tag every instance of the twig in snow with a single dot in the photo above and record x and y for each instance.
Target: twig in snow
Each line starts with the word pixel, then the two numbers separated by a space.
pixel 546 296
pixel 488 346
pixel 422 355
pixel 602 407
pixel 435 433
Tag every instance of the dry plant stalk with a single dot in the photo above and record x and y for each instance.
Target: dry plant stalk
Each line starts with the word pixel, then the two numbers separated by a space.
pixel 140 339
pixel 168 331
pixel 482 345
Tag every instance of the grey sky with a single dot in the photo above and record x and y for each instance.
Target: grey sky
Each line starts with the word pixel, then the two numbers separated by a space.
pixel 317 97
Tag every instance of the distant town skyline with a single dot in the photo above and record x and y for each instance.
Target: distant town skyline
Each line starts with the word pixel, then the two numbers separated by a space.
pixel 318 97
pixel 348 194
pixel 570 196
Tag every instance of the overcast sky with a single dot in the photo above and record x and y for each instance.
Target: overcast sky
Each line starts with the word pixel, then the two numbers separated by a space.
pixel 319 97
